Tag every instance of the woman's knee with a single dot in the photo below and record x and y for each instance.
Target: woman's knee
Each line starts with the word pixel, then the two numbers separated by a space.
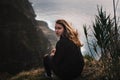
pixel 46 56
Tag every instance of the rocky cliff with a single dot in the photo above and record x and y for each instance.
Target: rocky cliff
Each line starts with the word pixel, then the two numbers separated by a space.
pixel 49 34
pixel 22 44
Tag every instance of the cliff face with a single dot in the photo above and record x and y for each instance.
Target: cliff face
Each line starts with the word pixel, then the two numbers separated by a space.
pixel 22 45
pixel 49 34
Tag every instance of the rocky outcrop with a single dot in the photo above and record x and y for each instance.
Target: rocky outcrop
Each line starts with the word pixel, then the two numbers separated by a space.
pixel 22 44
pixel 49 34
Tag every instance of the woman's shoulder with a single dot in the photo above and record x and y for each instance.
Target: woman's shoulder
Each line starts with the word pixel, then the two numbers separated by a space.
pixel 64 40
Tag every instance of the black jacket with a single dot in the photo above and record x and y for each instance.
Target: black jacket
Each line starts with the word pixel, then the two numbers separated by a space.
pixel 68 60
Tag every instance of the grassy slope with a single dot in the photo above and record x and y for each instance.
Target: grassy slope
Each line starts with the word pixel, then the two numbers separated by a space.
pixel 92 71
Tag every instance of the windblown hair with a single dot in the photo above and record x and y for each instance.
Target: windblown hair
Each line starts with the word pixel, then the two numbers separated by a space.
pixel 69 32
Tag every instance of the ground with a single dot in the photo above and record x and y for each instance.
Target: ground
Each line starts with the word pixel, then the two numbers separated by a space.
pixel 91 71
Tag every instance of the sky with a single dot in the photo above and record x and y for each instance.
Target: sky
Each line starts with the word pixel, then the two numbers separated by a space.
pixel 77 12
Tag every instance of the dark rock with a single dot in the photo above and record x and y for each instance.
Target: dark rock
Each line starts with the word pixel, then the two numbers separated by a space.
pixel 22 46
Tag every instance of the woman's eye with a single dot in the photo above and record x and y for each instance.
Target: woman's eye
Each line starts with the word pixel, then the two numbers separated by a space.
pixel 57 27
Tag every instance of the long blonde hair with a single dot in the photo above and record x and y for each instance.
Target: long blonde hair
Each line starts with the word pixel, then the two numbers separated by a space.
pixel 69 32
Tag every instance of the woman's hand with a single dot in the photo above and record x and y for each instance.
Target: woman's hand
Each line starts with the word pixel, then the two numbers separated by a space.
pixel 52 52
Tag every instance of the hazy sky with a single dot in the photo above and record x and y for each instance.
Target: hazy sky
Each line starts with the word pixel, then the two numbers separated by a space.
pixel 78 12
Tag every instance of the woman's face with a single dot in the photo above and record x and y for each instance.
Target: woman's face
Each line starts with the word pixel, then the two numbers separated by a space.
pixel 59 29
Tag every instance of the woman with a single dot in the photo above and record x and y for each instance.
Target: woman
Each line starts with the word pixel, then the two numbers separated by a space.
pixel 66 60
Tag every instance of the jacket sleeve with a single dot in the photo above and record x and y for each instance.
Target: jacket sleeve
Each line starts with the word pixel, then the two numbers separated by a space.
pixel 60 52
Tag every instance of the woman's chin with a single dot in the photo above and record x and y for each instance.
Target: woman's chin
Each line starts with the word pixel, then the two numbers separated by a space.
pixel 58 35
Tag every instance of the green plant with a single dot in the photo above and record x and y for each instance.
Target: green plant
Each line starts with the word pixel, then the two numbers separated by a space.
pixel 105 38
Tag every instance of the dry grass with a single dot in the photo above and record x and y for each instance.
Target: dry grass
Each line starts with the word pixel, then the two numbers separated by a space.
pixel 34 74
pixel 92 71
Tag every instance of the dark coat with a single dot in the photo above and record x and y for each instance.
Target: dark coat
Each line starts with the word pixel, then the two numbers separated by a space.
pixel 68 60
